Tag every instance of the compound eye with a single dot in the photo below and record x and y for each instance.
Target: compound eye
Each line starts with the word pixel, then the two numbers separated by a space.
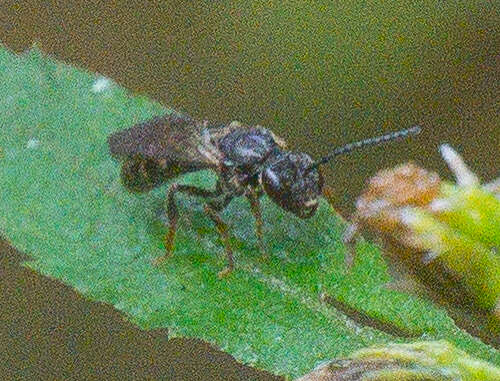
pixel 271 179
pixel 273 185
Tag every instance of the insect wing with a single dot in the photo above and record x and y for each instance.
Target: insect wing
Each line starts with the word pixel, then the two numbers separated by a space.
pixel 169 139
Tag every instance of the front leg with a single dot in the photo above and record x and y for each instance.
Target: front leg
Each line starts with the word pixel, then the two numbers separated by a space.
pixel 173 214
pixel 351 233
pixel 349 238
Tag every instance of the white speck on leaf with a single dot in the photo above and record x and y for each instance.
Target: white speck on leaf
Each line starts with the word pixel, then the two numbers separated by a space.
pixel 32 143
pixel 101 84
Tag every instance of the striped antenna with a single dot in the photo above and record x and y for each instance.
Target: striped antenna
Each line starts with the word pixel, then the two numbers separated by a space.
pixel 366 142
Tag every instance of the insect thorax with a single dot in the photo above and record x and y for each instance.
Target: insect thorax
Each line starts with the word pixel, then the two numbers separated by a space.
pixel 247 148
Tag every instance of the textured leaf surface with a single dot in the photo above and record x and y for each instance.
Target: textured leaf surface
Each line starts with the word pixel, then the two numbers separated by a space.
pixel 62 203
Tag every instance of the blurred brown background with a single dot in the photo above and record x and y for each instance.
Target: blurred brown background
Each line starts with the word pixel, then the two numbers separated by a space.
pixel 50 332
pixel 319 74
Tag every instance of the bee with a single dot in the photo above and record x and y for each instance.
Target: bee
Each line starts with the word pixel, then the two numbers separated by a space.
pixel 248 160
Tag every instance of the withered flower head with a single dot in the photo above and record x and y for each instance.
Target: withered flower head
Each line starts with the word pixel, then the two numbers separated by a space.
pixel 442 235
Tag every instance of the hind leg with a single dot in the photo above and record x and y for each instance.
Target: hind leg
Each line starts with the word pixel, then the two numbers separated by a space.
pixel 173 214
pixel 223 232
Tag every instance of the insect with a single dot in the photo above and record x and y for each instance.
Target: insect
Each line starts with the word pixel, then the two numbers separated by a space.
pixel 249 161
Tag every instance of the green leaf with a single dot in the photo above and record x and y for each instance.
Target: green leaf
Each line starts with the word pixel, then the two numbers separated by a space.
pixel 62 203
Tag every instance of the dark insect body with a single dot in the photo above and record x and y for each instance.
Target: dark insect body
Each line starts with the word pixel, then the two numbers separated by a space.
pixel 249 161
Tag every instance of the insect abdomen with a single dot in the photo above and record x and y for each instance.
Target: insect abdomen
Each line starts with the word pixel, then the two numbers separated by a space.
pixel 142 175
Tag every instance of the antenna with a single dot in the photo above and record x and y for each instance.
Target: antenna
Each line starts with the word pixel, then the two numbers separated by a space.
pixel 366 142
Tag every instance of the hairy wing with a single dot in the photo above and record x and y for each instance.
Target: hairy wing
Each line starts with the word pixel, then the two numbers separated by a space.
pixel 168 140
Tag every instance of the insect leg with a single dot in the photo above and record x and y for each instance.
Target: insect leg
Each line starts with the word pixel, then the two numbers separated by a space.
pixel 350 236
pixel 349 239
pixel 223 231
pixel 253 198
pixel 173 213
